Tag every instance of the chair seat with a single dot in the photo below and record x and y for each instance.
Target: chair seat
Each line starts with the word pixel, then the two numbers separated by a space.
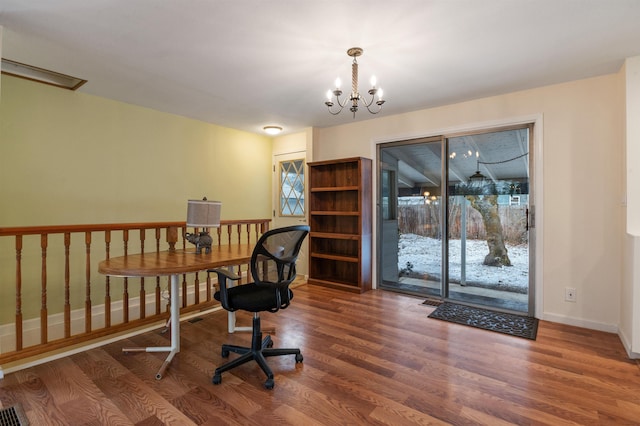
pixel 254 298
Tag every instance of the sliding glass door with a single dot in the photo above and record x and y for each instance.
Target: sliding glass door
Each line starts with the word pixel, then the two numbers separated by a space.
pixel 454 218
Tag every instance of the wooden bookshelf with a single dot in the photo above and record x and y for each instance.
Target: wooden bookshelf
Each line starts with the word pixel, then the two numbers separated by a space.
pixel 341 221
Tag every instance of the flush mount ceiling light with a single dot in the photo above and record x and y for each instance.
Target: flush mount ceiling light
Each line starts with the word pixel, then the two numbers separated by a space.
pixel 41 75
pixel 272 130
pixel 354 97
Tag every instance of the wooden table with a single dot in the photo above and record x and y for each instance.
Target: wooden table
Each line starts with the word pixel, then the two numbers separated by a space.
pixel 175 263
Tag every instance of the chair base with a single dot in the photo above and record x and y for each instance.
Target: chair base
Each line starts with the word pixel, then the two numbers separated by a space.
pixel 260 350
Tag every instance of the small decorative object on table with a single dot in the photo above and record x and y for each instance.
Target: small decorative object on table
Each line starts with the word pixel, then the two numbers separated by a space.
pixel 201 240
pixel 202 214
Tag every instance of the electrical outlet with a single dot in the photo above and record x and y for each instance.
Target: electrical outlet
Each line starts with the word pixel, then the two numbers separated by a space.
pixel 570 294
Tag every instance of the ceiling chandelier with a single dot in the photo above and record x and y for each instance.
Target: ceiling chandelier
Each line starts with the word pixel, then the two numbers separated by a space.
pixel 354 97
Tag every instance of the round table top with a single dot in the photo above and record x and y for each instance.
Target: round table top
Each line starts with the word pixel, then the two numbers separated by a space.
pixel 155 264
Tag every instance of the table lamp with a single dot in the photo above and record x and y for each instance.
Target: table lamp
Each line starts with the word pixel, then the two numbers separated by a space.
pixel 203 214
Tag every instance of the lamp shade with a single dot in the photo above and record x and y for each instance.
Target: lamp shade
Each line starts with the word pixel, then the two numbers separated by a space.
pixel 203 213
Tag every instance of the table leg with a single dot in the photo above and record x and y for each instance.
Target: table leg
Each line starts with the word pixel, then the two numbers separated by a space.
pixel 175 330
pixel 231 316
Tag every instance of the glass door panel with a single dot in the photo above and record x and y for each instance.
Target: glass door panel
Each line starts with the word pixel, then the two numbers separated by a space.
pixel 487 210
pixel 410 182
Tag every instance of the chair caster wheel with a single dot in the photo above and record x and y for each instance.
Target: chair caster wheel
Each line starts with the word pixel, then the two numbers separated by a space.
pixel 217 379
pixel 299 358
pixel 225 354
pixel 269 384
pixel 270 344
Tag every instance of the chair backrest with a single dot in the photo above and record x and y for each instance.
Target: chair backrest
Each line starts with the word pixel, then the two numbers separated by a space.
pixel 273 261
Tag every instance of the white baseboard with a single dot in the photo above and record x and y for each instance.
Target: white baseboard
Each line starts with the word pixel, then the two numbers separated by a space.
pixel 626 342
pixel 55 329
pixel 27 363
pixel 579 322
pixel 592 325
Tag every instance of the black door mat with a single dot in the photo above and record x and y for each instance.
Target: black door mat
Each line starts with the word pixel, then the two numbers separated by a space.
pixel 501 322
pixel 13 416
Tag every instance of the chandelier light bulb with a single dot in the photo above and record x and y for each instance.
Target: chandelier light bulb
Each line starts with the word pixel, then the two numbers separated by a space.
pixel 338 83
pixel 373 81
pixel 379 94
pixel 329 94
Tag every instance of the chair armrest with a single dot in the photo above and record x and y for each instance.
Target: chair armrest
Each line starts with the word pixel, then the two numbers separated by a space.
pixel 223 276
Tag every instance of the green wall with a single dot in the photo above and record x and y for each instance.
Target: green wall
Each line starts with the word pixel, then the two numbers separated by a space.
pixel 72 158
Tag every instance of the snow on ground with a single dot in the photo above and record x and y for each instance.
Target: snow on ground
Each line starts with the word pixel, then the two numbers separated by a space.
pixel 424 256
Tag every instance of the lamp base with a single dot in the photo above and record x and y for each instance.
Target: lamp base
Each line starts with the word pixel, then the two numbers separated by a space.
pixel 202 240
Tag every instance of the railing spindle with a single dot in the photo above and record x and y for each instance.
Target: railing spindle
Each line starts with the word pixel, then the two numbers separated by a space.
pixel 87 292
pixel 43 292
pixel 67 302
pixel 107 294
pixel 184 290
pixel 196 286
pixel 143 296
pixel 239 233
pixel 18 292
pixel 125 287
pixel 158 292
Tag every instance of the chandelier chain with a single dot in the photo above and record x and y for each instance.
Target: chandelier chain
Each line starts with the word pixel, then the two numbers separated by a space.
pixel 354 78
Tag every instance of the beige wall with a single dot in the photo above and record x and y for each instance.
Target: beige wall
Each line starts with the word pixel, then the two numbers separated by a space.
pixel 632 125
pixel 580 230
pixel 630 288
pixel 294 142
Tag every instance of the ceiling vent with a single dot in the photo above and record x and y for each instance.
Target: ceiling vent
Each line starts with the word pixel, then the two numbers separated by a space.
pixel 40 75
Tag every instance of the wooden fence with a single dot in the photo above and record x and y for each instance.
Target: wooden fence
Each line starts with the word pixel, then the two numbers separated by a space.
pixel 52 297
pixel 425 220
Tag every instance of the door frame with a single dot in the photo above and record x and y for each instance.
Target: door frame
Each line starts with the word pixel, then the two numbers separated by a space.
pixel 536 219
pixel 279 221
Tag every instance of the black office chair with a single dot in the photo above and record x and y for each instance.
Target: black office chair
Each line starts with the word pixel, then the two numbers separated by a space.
pixel 273 268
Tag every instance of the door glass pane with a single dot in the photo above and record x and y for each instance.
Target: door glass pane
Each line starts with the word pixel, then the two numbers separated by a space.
pixel 487 207
pixel 411 248
pixel 387 194
pixel 292 188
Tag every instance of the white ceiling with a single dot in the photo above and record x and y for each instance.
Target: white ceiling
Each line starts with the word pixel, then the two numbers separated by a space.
pixel 248 63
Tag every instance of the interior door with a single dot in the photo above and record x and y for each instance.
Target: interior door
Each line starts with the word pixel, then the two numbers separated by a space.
pixel 289 188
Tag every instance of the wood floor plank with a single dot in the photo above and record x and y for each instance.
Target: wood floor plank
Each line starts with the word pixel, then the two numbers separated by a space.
pixel 373 358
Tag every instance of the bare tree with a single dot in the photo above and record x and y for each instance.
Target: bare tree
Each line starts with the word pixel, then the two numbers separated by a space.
pixel 487 206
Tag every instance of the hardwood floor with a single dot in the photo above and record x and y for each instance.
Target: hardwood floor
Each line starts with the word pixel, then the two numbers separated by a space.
pixel 372 358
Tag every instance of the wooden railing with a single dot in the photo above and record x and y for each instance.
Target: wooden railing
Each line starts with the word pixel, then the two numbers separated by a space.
pixel 48 277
